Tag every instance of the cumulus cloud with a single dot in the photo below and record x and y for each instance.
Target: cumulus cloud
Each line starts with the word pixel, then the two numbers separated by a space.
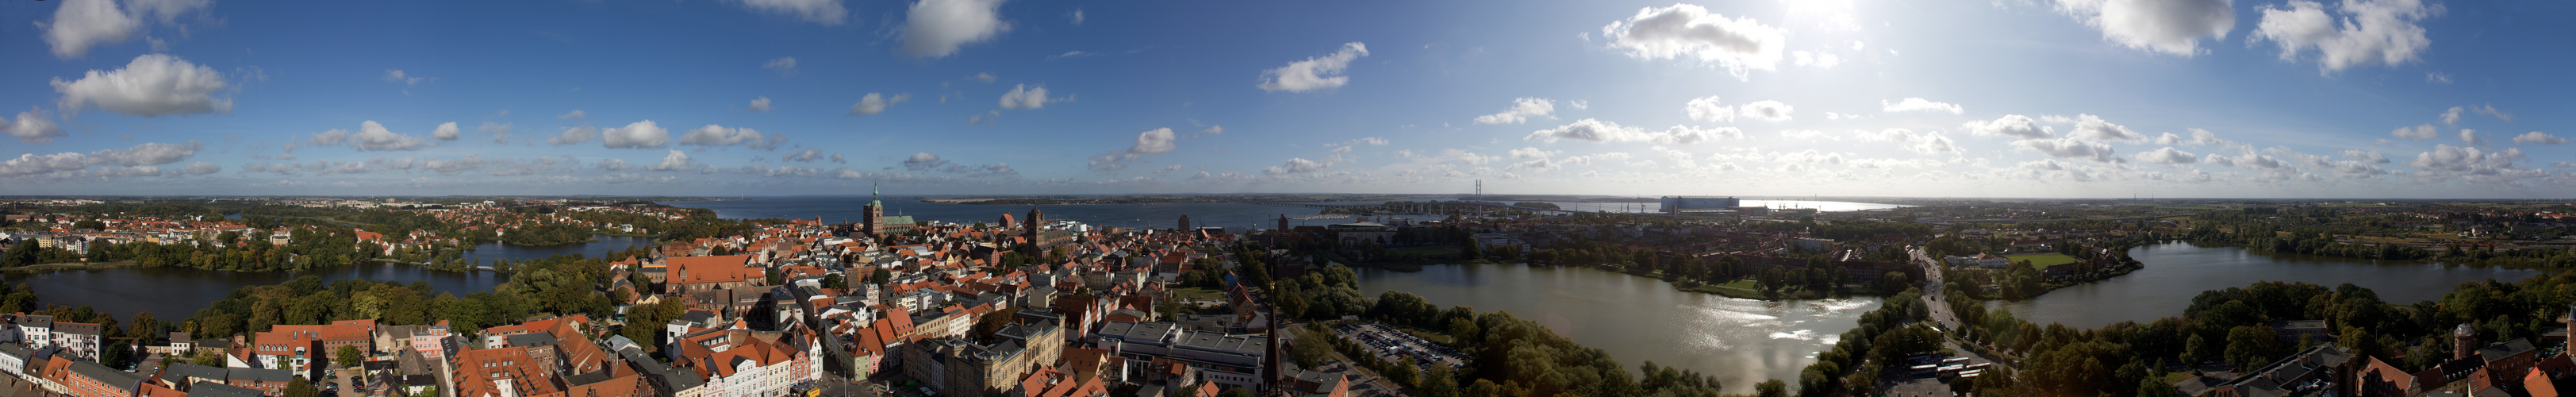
pixel 2472 138
pixel 201 168
pixel 2366 31
pixel 2168 156
pixel 133 161
pixel 760 104
pixel 612 165
pixel 1023 96
pixel 1591 130
pixel 1295 166
pixel 574 135
pixel 150 86
pixel 372 136
pixel 2452 117
pixel 715 135
pixel 2365 156
pixel 1918 105
pixel 446 132
pixel 641 134
pixel 1152 141
pixel 923 161
pixel 2011 125
pixel 1690 31
pixel 1765 111
pixel 875 103
pixel 2089 127
pixel 575 114
pixel 1214 130
pixel 80 24
pixel 2417 132
pixel 2527 137
pixel 1707 109
pixel 803 156
pixel 936 28
pixel 1531 153
pixel 1539 165
pixel 1522 109
pixel 2166 26
pixel 673 162
pixel 1314 73
pixel 2449 160
pixel 36 126
pixel 1934 142
pixel 826 12
pixel 782 65
pixel 2071 148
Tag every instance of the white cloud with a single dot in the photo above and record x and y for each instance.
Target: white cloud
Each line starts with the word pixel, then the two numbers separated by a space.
pixel 397 75
pixel 1314 73
pixel 2166 26
pixel 2365 156
pixel 2089 127
pixel 1934 142
pixel 923 161
pixel 2528 137
pixel 782 65
pixel 1522 109
pixel 446 132
pixel 936 28
pixel 152 85
pixel 2367 31
pixel 2437 77
pixel 35 126
pixel 133 161
pixel 1152 141
pixel 715 135
pixel 1918 105
pixel 1765 111
pixel 374 137
pixel 1295 166
pixel 2168 156
pixel 80 24
pixel 575 114
pixel 827 12
pixel 1539 165
pixel 202 168
pixel 2071 148
pixel 2448 160
pixel 641 134
pixel 1023 96
pixel 1077 17
pixel 1213 130
pixel 2417 132
pixel 2472 138
pixel 612 165
pixel 803 156
pixel 500 131
pixel 875 103
pixel 673 162
pixel 983 77
pixel 2011 125
pixel 1531 153
pixel 1591 130
pixel 1707 109
pixel 1685 30
pixel 2452 117
pixel 760 104
pixel 574 135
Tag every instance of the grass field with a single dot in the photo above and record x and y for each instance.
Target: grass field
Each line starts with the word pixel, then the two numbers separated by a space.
pixel 2043 261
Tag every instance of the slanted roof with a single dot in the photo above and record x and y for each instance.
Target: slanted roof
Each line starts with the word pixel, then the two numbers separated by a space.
pixel 212 389
pixel 2507 349
pixel 121 380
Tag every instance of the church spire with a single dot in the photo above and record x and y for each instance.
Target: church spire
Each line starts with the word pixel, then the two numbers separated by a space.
pixel 876 195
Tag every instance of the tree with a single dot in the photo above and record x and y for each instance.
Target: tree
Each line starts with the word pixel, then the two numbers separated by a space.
pixel 350 357
pixel 1771 388
pixel 2153 388
pixel 301 388
pixel 2250 347
pixel 880 277
pixel 1234 392
pixel 835 281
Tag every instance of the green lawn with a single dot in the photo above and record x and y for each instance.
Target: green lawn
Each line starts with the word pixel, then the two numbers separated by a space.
pixel 2043 261
pixel 1196 293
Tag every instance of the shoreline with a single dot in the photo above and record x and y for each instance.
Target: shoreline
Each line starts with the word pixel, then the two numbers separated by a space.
pixel 127 264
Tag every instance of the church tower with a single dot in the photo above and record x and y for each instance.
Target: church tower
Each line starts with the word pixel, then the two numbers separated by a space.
pixel 1037 222
pixel 874 213
pixel 1185 223
pixel 1283 222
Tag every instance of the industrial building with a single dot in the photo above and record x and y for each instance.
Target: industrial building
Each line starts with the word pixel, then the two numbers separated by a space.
pixel 1683 204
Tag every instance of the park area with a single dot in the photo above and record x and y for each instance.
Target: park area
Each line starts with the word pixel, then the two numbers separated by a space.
pixel 2042 261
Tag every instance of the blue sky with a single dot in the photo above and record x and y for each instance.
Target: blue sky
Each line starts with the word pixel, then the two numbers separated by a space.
pixel 2069 98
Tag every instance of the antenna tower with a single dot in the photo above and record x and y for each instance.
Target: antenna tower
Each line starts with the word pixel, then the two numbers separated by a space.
pixel 1480 190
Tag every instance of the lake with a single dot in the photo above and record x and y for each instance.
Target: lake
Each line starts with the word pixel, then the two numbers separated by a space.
pixel 2176 272
pixel 1639 319
pixel 173 293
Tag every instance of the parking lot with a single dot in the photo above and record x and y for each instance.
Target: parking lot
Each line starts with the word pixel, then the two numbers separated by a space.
pixel 1393 345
